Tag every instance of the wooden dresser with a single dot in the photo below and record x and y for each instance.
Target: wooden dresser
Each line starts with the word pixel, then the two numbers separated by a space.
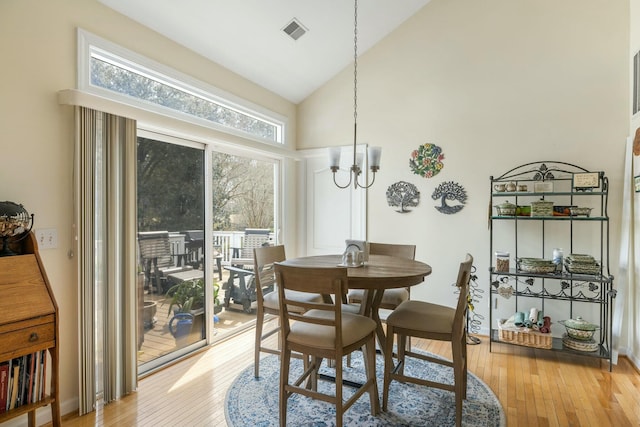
pixel 29 323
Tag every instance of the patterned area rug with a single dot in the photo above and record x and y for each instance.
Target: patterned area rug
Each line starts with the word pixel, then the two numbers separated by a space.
pixel 254 402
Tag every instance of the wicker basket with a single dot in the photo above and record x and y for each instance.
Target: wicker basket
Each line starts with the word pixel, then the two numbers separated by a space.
pixel 523 336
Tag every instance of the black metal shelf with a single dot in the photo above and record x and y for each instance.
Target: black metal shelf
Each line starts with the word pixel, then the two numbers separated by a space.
pixel 549 218
pixel 568 288
pixel 546 193
pixel 556 345
pixel 558 276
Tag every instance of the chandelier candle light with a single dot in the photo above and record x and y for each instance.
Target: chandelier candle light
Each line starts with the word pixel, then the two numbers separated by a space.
pixel 373 153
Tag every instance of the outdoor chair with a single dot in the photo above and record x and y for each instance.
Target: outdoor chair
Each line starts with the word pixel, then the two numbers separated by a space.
pixel 157 259
pixel 433 322
pixel 241 270
pixel 323 331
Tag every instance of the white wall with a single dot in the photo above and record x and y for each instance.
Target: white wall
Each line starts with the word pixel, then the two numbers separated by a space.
pixel 496 84
pixel 634 294
pixel 38 55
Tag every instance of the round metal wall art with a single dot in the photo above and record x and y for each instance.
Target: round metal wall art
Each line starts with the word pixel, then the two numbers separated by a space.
pixel 403 194
pixel 449 190
pixel 426 161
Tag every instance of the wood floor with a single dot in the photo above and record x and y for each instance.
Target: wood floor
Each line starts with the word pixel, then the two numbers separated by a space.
pixel 535 388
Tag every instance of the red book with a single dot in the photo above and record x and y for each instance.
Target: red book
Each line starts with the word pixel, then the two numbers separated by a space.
pixel 4 385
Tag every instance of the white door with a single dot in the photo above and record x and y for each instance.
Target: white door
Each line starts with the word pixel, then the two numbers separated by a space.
pixel 330 214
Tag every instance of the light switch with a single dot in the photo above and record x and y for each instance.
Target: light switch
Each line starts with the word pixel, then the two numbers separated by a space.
pixel 47 238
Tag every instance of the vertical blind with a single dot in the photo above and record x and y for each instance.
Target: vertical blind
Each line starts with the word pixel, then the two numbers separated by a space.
pixel 105 200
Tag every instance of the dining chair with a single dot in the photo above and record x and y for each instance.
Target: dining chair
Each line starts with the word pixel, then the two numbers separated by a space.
pixel 322 331
pixel 392 297
pixel 267 302
pixel 435 322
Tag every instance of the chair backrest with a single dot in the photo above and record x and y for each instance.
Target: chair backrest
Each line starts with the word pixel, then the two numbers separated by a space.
pixel 155 245
pixel 464 276
pixel 263 265
pixel 319 280
pixel 392 249
pixel 253 238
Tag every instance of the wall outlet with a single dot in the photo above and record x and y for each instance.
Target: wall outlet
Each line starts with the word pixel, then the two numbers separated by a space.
pixel 47 238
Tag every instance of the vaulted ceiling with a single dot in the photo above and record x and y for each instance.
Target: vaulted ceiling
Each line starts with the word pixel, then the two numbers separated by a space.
pixel 247 37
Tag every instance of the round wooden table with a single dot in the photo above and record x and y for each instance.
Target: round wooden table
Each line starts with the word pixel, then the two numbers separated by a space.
pixel 379 273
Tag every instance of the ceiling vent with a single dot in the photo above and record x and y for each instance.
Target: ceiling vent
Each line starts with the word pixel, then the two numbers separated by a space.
pixel 294 29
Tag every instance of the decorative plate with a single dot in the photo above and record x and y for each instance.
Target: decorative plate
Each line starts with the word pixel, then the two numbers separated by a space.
pixel 403 195
pixel 587 346
pixel 450 191
pixel 427 160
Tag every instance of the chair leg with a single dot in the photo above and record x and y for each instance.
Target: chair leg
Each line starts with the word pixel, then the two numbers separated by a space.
pixel 370 367
pixel 339 401
pixel 285 359
pixel 258 343
pixel 402 347
pixel 459 375
pixel 388 366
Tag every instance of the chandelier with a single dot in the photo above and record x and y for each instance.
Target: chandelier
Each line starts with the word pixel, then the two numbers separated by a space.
pixel 373 153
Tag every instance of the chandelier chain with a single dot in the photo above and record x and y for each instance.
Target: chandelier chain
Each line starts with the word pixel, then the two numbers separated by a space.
pixel 355 63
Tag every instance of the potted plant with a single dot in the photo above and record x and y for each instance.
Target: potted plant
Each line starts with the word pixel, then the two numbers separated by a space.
pixel 186 296
pixel 217 306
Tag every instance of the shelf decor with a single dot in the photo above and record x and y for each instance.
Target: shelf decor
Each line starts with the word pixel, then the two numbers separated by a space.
pixel 403 195
pixel 449 191
pixel 426 161
pixel 584 181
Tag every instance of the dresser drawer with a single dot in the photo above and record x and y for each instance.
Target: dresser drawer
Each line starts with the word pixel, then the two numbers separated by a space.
pixel 25 337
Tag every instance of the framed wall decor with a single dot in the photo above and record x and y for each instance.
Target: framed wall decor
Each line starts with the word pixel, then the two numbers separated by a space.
pixel 543 187
pixel 586 180
pixel 636 183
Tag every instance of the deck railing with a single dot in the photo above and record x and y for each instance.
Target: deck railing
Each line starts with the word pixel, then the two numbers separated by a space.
pixel 224 243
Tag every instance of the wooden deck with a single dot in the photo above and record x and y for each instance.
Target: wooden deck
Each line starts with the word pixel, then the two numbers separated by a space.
pixel 158 341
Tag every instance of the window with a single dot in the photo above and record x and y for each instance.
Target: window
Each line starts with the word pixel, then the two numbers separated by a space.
pixel 107 67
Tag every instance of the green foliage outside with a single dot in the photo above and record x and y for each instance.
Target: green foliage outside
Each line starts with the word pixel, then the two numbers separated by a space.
pixel 171 189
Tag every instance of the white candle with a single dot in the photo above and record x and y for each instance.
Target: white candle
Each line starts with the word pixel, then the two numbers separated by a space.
pixel 334 156
pixel 374 154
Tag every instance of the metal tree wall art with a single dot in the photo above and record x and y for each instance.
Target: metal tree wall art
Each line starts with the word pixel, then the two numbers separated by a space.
pixel 449 191
pixel 403 194
pixel 427 160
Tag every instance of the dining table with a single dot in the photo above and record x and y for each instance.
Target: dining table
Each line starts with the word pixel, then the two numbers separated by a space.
pixel 378 273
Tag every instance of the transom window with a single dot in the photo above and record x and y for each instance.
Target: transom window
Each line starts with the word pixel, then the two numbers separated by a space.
pixel 125 73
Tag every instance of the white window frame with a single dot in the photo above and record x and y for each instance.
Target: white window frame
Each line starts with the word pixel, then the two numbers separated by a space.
pixel 90 45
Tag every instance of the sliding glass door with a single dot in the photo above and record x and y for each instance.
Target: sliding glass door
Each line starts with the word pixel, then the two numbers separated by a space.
pixel 171 252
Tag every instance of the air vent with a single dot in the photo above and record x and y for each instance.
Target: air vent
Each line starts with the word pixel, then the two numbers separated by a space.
pixel 294 29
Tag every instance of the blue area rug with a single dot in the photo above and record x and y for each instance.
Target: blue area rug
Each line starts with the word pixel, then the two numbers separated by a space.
pixel 254 402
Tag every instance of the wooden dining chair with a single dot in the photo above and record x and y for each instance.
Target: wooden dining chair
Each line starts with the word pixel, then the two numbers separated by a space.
pixel 267 302
pixel 323 331
pixel 392 297
pixel 435 322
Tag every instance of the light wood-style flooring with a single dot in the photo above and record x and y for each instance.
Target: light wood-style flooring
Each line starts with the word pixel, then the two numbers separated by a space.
pixel 535 388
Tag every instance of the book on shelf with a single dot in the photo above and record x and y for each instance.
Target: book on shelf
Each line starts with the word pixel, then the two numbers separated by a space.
pixel 32 358
pixel 22 380
pixel 43 374
pixel 4 385
pixel 15 377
